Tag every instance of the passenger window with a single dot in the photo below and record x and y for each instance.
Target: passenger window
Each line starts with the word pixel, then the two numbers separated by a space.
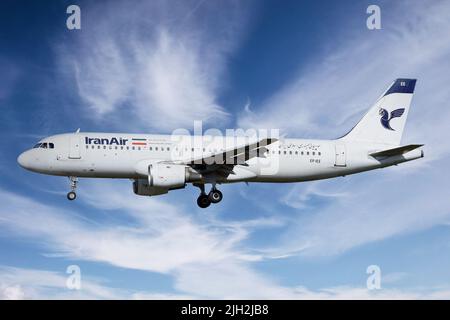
pixel 307 153
pixel 296 152
pixel 314 153
pixel 302 152
pixel 150 148
pixel 320 154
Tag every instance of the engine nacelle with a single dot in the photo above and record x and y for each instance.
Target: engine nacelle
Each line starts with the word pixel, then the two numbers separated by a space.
pixel 142 188
pixel 163 177
pixel 171 176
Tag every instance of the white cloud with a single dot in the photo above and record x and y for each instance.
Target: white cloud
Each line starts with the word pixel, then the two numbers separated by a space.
pixel 328 99
pixel 24 283
pixel 162 72
pixel 159 72
pixel 300 196
pixel 376 206
pixel 10 76
pixel 205 259
pixel 156 238
pixel 14 292
pixel 152 236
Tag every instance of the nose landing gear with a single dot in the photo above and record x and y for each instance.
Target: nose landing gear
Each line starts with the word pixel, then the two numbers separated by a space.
pixel 204 200
pixel 73 186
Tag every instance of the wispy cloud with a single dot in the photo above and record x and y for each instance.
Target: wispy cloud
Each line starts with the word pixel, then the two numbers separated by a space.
pixel 25 283
pixel 302 195
pixel 369 211
pixel 164 71
pixel 10 75
pixel 327 99
pixel 157 238
pixel 332 94
pixel 205 259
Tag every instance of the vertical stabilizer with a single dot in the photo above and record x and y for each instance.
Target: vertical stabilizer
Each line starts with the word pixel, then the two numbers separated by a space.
pixel 385 121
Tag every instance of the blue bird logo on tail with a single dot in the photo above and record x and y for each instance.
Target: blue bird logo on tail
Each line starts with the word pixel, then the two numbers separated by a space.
pixel 386 118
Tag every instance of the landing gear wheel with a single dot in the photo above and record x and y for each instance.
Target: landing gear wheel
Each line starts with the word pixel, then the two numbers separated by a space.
pixel 73 186
pixel 203 201
pixel 71 195
pixel 215 196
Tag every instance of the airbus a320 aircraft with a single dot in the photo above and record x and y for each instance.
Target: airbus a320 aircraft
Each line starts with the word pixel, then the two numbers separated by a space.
pixel 160 163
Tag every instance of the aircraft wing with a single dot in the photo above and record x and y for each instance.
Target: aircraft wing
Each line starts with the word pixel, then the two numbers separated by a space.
pixel 396 151
pixel 233 156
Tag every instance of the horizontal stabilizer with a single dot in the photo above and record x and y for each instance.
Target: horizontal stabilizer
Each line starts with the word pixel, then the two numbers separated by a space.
pixel 396 151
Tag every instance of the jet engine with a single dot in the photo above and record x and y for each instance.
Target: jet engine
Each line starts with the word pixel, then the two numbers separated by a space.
pixel 142 188
pixel 163 177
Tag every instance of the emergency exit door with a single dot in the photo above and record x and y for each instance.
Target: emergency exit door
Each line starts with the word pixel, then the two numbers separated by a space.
pixel 340 160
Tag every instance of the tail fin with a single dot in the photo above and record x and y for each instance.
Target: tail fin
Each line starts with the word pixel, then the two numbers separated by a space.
pixel 384 122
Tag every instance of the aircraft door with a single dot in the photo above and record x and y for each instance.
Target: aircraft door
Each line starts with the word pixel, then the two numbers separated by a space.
pixel 74 151
pixel 340 160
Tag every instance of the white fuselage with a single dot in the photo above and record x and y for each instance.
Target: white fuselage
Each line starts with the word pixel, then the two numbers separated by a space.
pixel 117 155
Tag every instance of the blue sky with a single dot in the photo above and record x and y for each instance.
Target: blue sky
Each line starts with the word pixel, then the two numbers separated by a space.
pixel 310 69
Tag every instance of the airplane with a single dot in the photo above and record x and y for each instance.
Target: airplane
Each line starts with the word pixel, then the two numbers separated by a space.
pixel 158 164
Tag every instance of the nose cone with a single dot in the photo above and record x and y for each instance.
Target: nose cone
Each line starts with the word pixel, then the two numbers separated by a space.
pixel 24 160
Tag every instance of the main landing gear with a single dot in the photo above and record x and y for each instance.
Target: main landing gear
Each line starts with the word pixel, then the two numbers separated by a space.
pixel 73 186
pixel 204 200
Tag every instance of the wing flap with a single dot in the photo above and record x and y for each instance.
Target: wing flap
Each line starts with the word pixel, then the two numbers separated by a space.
pixel 237 155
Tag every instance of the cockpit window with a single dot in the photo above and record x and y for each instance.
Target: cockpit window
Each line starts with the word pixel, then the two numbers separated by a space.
pixel 45 145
